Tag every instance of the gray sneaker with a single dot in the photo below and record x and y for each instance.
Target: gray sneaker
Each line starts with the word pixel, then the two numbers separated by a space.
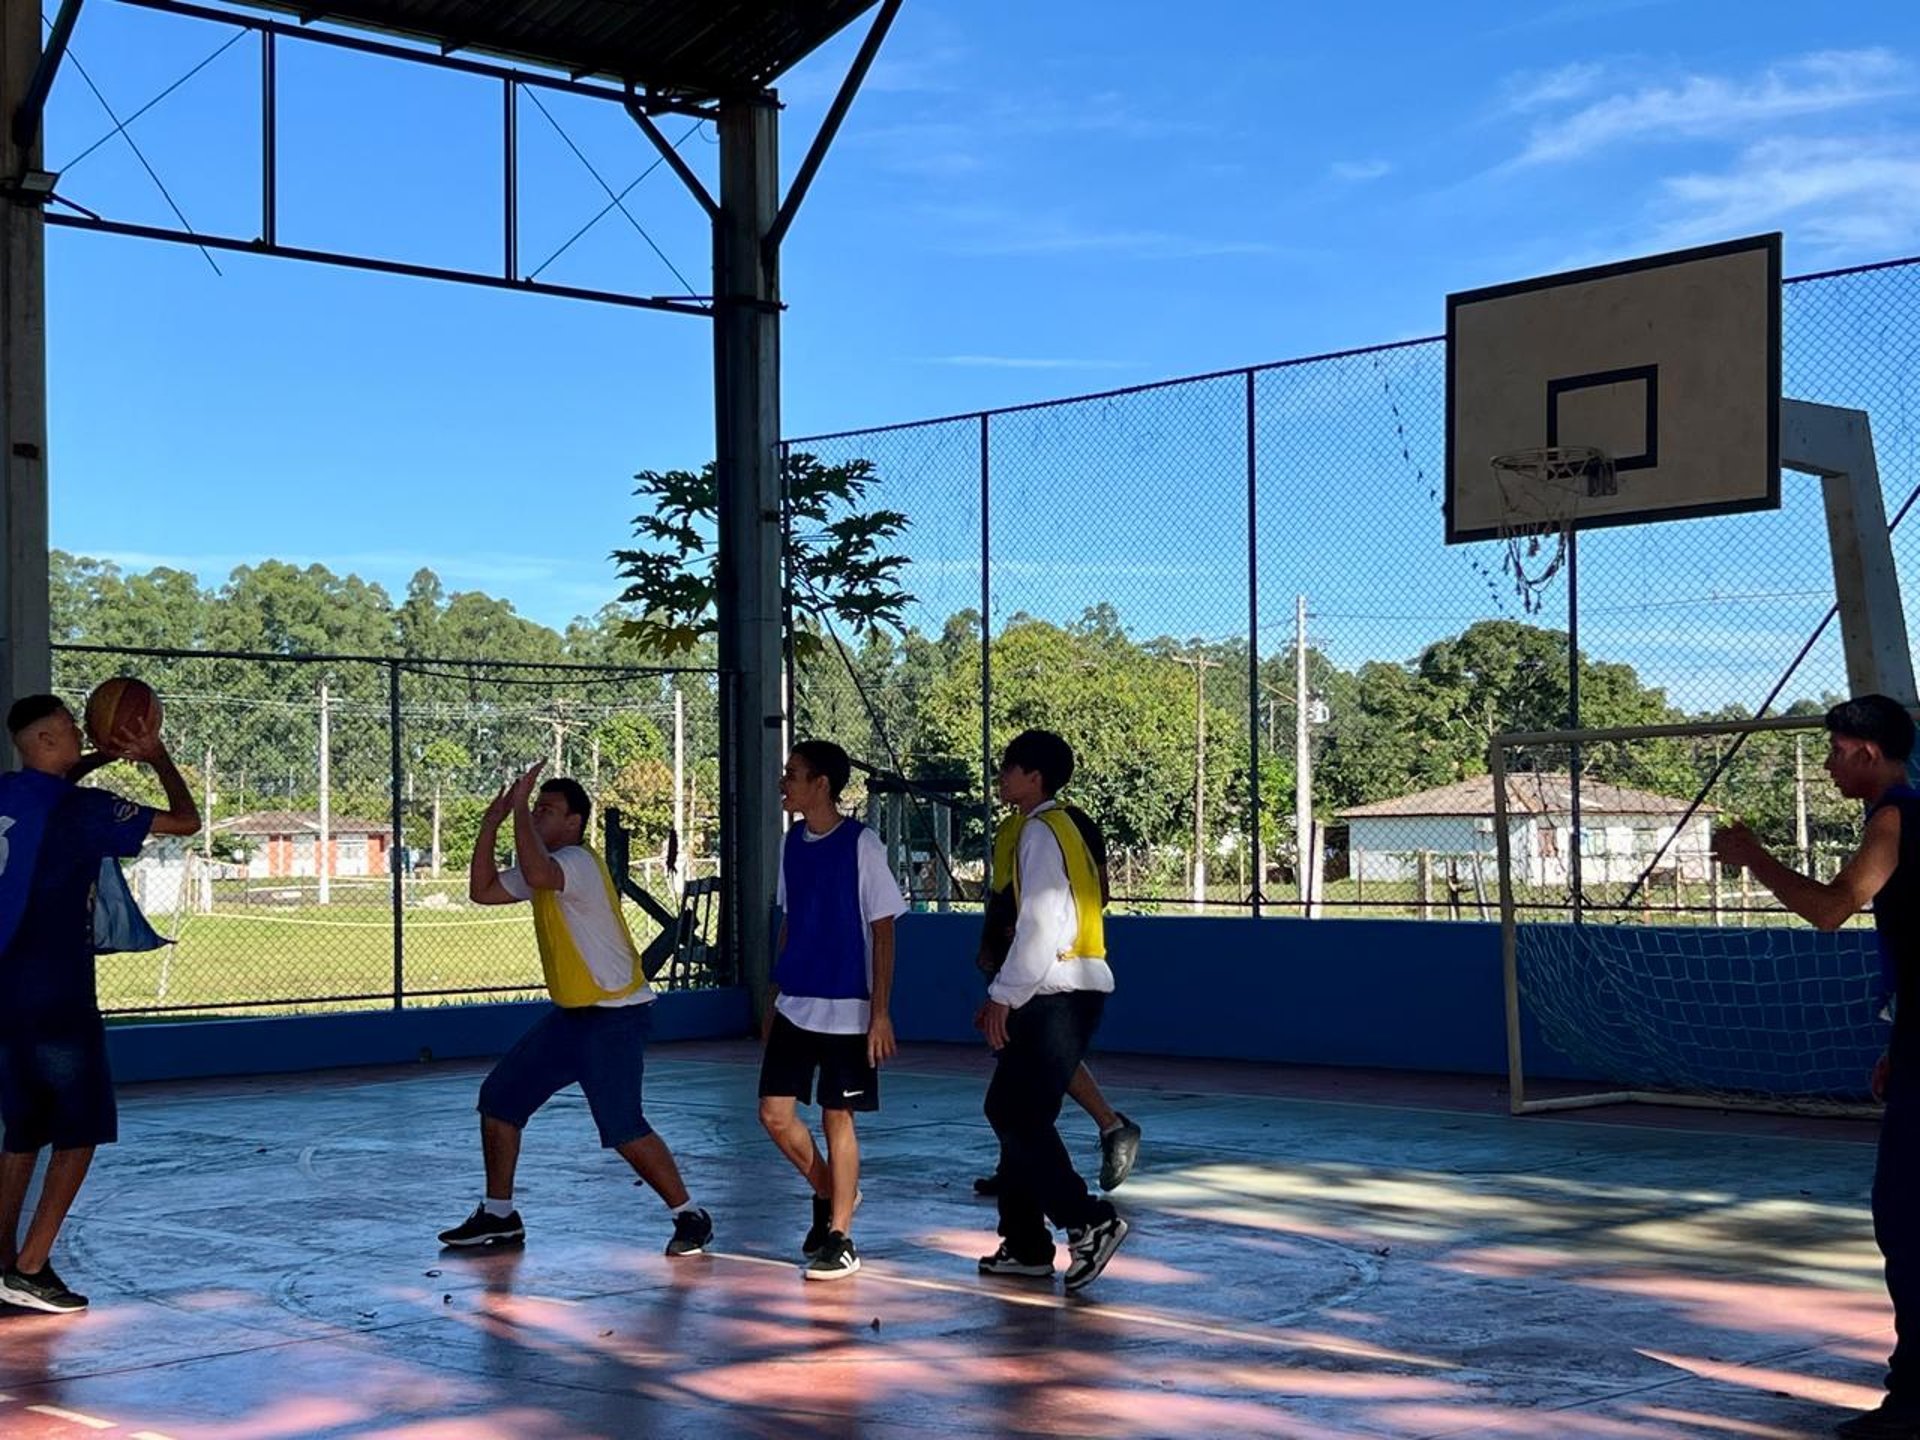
pixel 1119 1148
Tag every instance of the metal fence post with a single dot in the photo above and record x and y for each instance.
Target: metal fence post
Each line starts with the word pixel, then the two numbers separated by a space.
pixel 1253 652
pixel 397 849
pixel 986 663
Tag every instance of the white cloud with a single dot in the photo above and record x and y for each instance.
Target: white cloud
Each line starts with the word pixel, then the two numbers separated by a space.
pixel 1708 105
pixel 1359 171
pixel 1853 194
pixel 1555 87
pixel 1027 362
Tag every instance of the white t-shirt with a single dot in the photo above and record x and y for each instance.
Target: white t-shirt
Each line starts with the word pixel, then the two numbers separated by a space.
pixel 591 922
pixel 880 899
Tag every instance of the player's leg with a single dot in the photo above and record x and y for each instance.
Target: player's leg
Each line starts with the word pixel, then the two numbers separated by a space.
pixel 1023 1105
pixel 66 1172
pixel 541 1064
pixel 849 1086
pixel 16 1175
pixel 1119 1136
pixel 70 1077
pixel 1896 1226
pixel 613 1067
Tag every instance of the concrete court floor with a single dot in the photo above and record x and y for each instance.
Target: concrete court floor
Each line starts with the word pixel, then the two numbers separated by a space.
pixel 1317 1253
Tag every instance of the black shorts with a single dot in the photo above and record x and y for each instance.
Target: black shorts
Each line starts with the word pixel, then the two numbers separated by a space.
pixel 57 1090
pixel 847 1081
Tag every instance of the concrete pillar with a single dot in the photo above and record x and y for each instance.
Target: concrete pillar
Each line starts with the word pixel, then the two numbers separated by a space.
pixel 26 666
pixel 747 425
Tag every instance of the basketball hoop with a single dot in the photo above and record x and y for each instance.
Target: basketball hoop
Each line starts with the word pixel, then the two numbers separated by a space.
pixel 1541 495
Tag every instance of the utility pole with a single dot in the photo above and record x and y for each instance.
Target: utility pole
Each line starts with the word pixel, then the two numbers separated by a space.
pixel 1200 666
pixel 206 822
pixel 1307 850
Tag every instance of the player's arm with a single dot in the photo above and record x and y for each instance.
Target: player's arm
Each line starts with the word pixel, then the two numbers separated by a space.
pixel 483 872
pixel 880 1041
pixel 1826 905
pixel 143 743
pixel 90 762
pixel 530 854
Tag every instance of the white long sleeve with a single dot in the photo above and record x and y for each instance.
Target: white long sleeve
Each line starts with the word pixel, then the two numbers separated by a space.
pixel 1046 927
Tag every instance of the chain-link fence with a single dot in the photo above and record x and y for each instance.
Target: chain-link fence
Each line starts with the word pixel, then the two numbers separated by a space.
pixel 1218 586
pixel 342 796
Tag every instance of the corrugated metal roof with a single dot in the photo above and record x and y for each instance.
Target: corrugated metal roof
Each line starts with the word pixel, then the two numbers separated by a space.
pixel 1526 795
pixel 699 49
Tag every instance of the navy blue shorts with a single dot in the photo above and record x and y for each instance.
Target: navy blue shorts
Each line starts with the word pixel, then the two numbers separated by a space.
pixel 601 1049
pixel 57 1090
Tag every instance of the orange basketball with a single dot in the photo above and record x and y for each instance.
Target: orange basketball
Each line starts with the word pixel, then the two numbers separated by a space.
pixel 118 704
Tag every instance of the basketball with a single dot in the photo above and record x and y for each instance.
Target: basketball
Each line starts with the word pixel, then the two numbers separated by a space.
pixel 117 704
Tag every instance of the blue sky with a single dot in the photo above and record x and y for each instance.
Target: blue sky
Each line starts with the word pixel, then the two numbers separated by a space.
pixel 1028 200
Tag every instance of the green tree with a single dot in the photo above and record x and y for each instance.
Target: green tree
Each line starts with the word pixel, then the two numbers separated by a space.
pixel 836 566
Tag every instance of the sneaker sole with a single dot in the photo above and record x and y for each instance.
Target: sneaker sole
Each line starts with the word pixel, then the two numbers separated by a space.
pixel 839 1274
pixel 1023 1272
pixel 1100 1259
pixel 484 1241
pixel 1126 1156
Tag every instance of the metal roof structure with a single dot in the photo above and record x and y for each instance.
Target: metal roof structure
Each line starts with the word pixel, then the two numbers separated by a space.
pixel 700 50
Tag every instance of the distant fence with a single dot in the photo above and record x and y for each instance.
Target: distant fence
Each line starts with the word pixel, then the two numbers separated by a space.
pixel 1143 569
pixel 342 795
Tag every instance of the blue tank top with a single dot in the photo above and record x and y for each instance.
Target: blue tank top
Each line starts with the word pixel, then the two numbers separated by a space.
pixel 826 953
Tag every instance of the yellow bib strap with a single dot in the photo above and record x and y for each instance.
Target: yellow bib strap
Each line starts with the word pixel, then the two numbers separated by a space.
pixel 1083 877
pixel 569 979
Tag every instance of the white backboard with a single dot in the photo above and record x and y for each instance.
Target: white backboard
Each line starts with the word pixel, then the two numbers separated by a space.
pixel 1670 364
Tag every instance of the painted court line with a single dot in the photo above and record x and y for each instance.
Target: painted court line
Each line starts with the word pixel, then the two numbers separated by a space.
pixel 92 1422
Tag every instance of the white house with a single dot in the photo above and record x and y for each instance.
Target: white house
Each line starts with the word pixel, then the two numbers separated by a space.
pixel 1452 825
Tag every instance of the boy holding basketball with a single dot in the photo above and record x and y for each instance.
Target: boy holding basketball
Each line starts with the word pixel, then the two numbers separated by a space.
pixel 595 1035
pixel 1041 1011
pixel 55 1088
pixel 832 985
pixel 1871 738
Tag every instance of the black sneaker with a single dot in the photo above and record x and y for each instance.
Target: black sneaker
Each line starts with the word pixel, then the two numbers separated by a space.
pixel 1092 1247
pixel 823 1223
pixel 485 1228
pixel 42 1290
pixel 1004 1262
pixel 1119 1148
pixel 1897 1418
pixel 692 1233
pixel 836 1258
pixel 988 1185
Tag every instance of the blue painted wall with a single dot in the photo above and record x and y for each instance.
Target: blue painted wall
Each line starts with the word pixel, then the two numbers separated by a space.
pixel 1412 995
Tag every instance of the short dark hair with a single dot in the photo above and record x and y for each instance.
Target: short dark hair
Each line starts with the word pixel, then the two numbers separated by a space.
pixel 827 760
pixel 1044 751
pixel 1879 718
pixel 575 794
pixel 30 710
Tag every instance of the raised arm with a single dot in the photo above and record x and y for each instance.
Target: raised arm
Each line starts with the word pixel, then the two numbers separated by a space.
pixel 483 872
pixel 530 854
pixel 143 743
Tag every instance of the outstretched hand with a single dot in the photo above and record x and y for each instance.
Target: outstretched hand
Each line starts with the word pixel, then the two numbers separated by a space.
pixel 498 807
pixel 1736 845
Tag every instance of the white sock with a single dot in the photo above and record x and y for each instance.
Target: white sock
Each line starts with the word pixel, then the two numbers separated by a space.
pixel 499 1209
pixel 684 1209
pixel 1111 1128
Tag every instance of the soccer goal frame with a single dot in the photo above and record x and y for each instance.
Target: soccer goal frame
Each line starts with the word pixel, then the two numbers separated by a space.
pixel 1573 742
